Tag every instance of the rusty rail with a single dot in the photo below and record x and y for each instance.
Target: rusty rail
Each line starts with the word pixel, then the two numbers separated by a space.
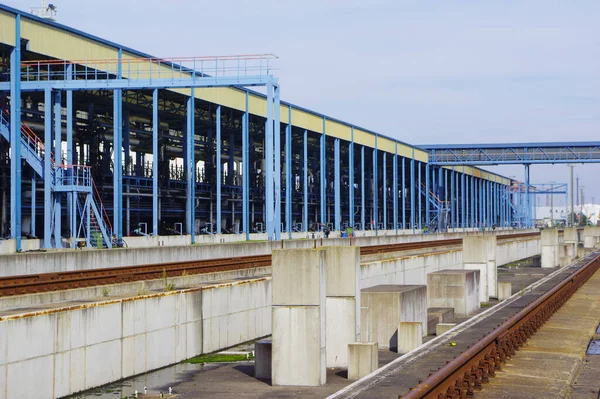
pixel 467 373
pixel 44 282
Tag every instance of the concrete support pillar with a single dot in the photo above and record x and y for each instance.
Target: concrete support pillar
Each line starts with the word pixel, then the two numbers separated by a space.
pixel 383 307
pixel 589 240
pixel 571 241
pixel 479 252
pixel 262 359
pixel 342 302
pixel 457 289
pixel 410 336
pixel 443 327
pixel 504 291
pixel 363 359
pixel 298 310
pixel 550 248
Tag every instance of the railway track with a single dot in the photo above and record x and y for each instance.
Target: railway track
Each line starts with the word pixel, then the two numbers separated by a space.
pixel 45 282
pixel 469 371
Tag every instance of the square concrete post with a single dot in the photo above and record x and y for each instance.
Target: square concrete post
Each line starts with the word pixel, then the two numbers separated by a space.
pixel 589 237
pixel 383 307
pixel 410 336
pixel 262 359
pixel 571 238
pixel 342 302
pixel 452 288
pixel 550 248
pixel 298 308
pixel 363 359
pixel 443 327
pixel 479 252
pixel 504 291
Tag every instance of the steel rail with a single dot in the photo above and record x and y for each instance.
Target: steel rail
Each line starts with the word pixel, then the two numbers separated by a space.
pixel 467 373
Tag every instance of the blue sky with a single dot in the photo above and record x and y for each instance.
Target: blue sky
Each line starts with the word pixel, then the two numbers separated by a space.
pixel 421 71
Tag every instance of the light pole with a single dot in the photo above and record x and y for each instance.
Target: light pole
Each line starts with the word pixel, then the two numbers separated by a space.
pixel 572 213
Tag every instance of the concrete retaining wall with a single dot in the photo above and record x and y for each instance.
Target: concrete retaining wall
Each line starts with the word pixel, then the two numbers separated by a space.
pixel 58 352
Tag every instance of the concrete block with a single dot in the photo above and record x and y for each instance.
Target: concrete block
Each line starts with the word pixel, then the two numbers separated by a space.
pixel 458 289
pixel 363 359
pixel 571 234
pixel 446 315
pixel 384 306
pixel 30 337
pixel 410 336
pixel 443 327
pixel 342 302
pixel 504 291
pixel 298 347
pixel 298 277
pixel 343 270
pixel 103 323
pixel 262 359
pixel 432 321
pixel 340 329
pixel 550 248
pixel 479 252
pixel 102 363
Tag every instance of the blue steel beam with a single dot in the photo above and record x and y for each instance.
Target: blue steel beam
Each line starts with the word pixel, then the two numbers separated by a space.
pixel 269 200
pixel 374 215
pixel 420 215
pixel 337 185
pixel 412 191
pixel 395 188
pixel 155 162
pixel 323 179
pixel 403 194
pixel 277 161
pixel 288 174
pixel 57 161
pixel 142 84
pixel 305 180
pixel 384 190
pixel 514 153
pixel 47 168
pixel 246 172
pixel 362 187
pixel 190 167
pixel 15 137
pixel 219 167
pixel 351 179
pixel 427 217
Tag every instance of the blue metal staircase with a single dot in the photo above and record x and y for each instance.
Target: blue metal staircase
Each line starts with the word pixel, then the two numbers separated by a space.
pixel 74 179
pixel 438 218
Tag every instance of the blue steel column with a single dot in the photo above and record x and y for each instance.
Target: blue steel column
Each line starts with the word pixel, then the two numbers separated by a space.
pixel 155 162
pixel 351 179
pixel 305 179
pixel 412 191
pixel 462 200
pixel 375 188
pixel 452 200
pixel 527 198
pixel 467 208
pixel 384 190
pixel 427 221
pixel 47 167
pixel 269 205
pixel 337 185
pixel 288 174
pixel 190 167
pixel 33 205
pixel 118 157
pixel 403 194
pixel 395 188
pixel 246 172
pixel 472 197
pixel 72 196
pixel 488 187
pixel 420 216
pixel 323 179
pixel 277 160
pixel 447 202
pixel 362 187
pixel 443 199
pixel 15 137
pixel 219 167
pixel 57 161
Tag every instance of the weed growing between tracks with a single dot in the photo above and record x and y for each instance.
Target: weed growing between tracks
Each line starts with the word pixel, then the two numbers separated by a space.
pixel 166 285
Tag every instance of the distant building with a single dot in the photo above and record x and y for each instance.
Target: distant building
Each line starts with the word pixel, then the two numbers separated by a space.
pixel 559 214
